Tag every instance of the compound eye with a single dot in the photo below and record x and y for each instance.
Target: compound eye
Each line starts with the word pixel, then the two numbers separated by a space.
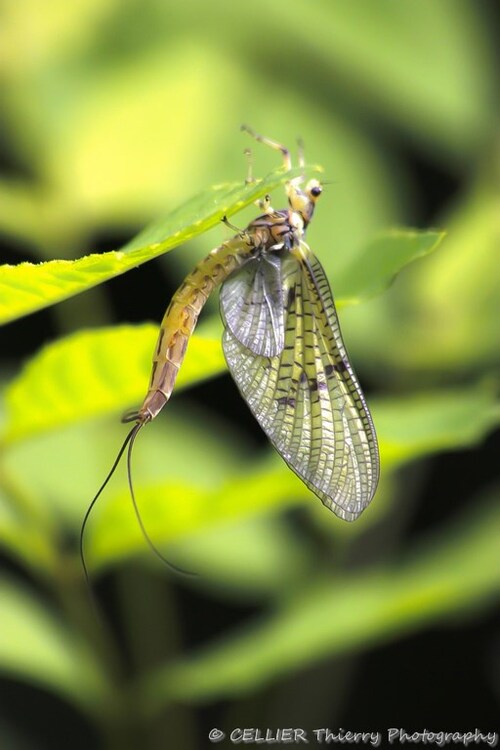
pixel 316 190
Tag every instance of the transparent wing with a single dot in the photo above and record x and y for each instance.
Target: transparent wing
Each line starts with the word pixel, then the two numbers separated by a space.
pixel 252 305
pixel 307 398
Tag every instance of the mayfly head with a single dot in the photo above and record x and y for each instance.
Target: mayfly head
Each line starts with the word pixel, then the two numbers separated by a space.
pixel 303 200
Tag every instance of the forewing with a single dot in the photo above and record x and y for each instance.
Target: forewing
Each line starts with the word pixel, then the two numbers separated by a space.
pixel 307 398
pixel 252 305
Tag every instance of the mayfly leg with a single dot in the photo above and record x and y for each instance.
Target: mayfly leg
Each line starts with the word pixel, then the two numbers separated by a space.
pixel 249 179
pixel 287 159
pixel 301 152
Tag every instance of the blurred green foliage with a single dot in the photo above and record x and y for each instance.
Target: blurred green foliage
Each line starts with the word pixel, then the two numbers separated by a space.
pixel 114 113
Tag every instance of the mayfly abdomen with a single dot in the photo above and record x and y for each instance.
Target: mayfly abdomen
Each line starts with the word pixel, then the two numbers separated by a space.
pixel 181 317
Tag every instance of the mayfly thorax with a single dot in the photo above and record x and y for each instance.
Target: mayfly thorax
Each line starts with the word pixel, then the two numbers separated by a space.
pixel 284 349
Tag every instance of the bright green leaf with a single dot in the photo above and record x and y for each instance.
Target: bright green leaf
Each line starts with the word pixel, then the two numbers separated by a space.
pixel 92 373
pixel 28 287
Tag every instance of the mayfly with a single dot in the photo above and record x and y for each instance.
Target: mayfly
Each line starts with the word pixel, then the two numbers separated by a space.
pixel 284 349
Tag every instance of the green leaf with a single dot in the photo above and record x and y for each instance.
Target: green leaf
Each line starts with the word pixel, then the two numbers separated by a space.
pixel 93 373
pixel 412 426
pixel 439 322
pixel 28 287
pixel 374 269
pixel 37 647
pixel 461 570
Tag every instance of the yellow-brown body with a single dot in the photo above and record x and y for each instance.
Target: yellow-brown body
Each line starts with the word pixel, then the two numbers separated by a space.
pixel 275 228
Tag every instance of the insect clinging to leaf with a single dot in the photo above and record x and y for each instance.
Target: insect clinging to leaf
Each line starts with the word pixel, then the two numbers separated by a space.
pixel 284 349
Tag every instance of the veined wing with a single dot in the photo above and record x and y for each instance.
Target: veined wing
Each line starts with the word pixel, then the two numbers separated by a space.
pixel 252 305
pixel 307 398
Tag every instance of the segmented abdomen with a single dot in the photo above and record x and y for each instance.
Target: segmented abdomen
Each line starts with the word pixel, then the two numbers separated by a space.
pixel 181 317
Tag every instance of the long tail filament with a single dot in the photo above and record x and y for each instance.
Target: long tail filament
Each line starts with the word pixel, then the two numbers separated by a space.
pixel 129 441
